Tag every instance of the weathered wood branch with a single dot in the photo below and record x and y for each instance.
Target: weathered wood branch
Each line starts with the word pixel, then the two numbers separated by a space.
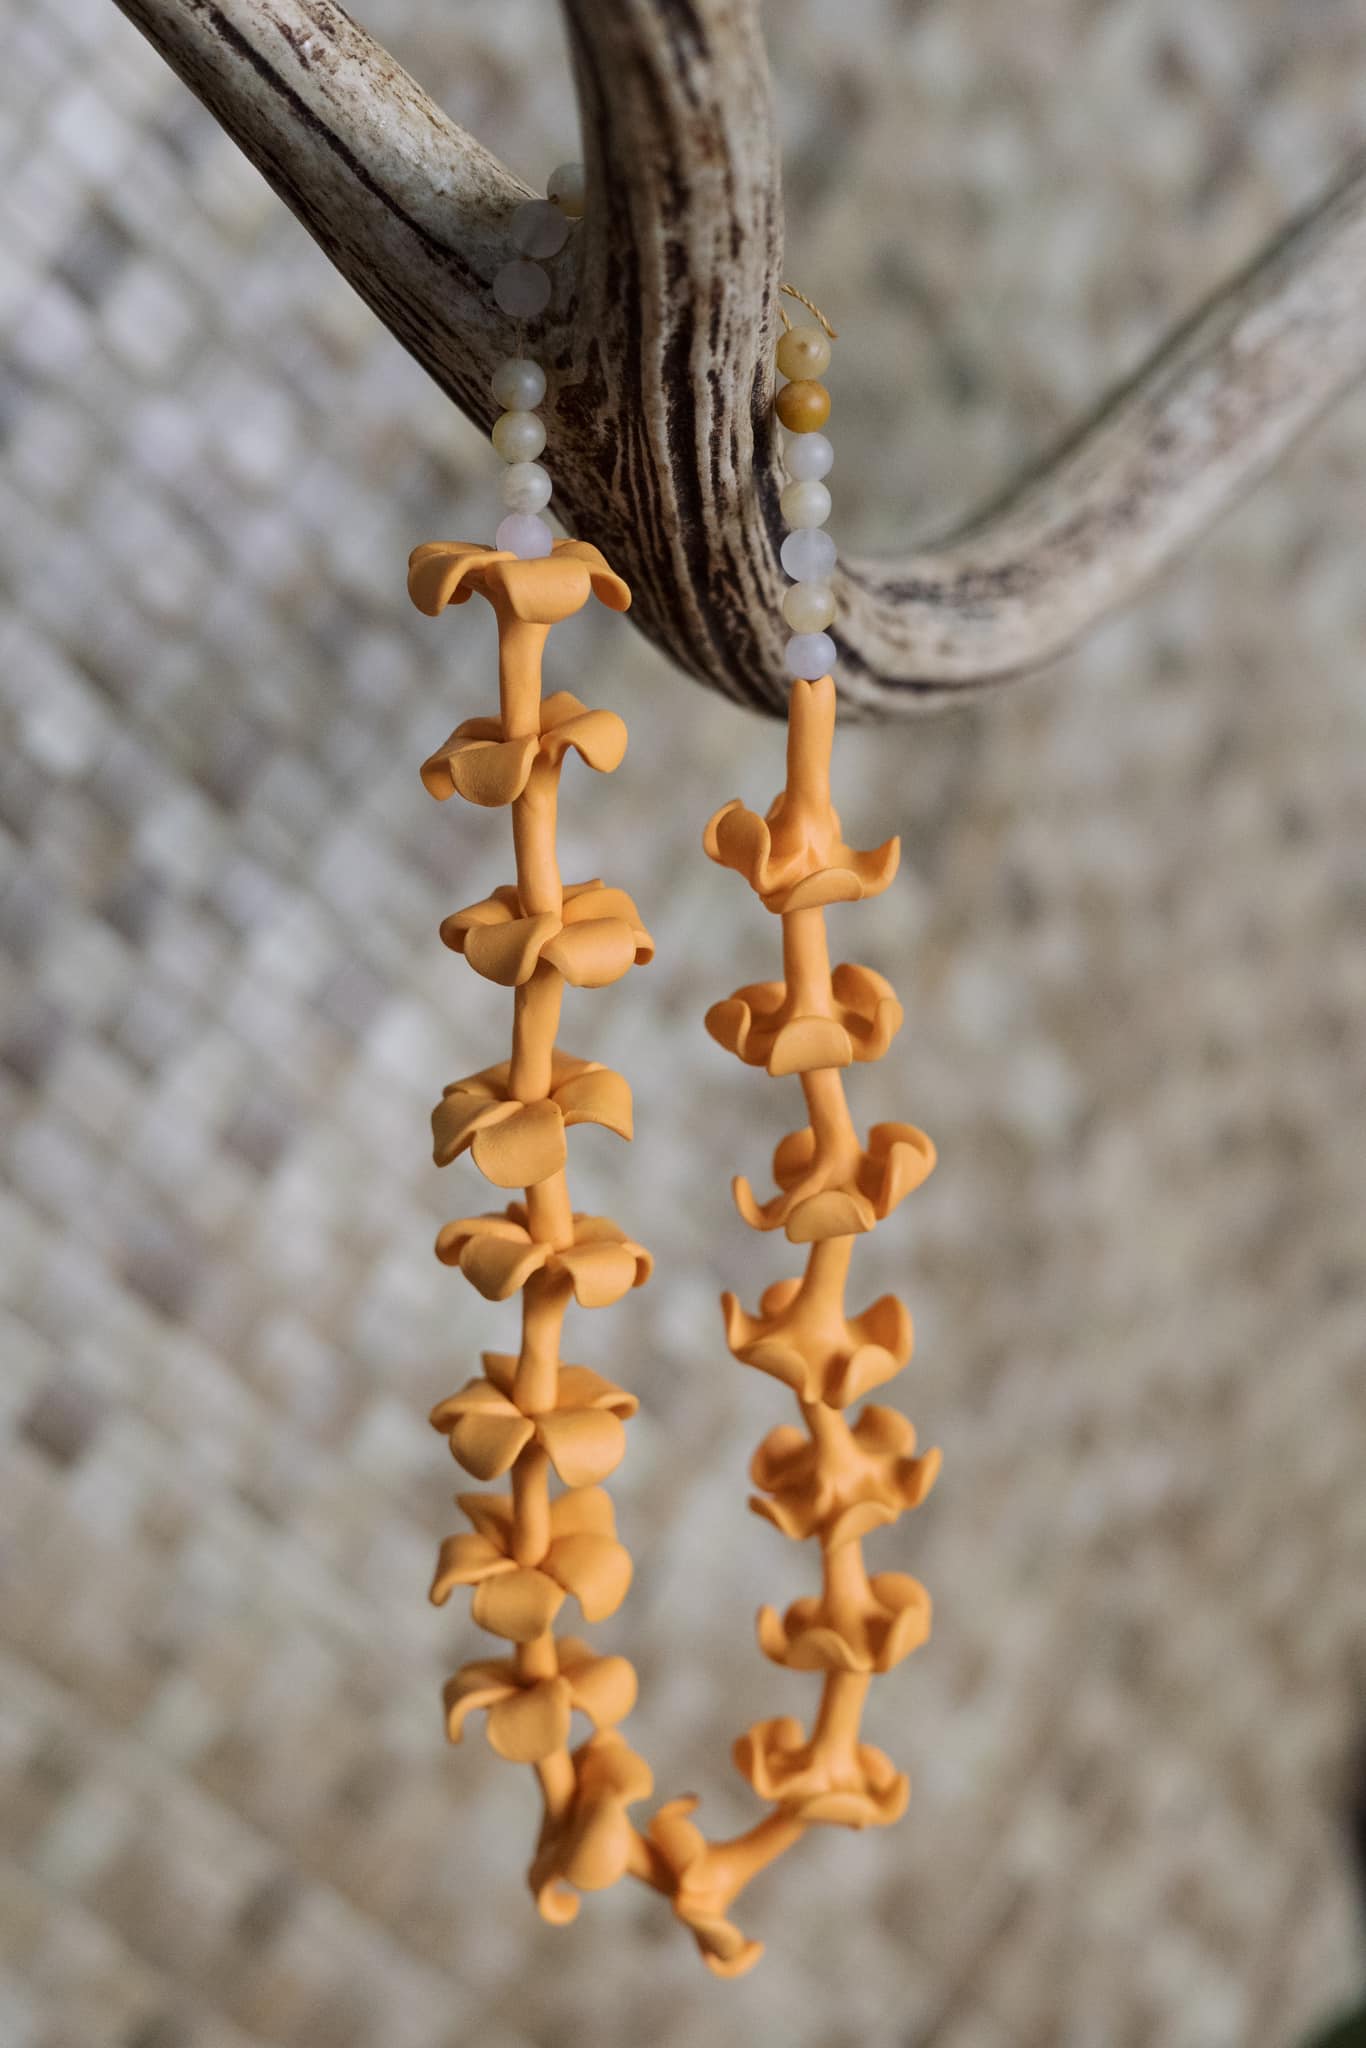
pixel 659 342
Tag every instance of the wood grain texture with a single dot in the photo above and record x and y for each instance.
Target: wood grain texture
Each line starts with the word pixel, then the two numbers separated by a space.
pixel 658 343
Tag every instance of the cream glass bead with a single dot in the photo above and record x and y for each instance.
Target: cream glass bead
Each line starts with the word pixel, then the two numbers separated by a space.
pixel 804 352
pixel 539 229
pixel 808 457
pixel 520 437
pixel 526 487
pixel 522 289
pixel 803 504
pixel 808 555
pixel 809 607
pixel 565 188
pixel 518 384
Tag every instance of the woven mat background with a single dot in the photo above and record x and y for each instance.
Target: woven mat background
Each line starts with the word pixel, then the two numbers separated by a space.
pixel 1131 935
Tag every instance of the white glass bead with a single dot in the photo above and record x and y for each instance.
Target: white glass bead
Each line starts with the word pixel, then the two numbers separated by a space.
pixel 808 555
pixel 539 229
pixel 806 504
pixel 524 535
pixel 518 384
pixel 808 457
pixel 522 289
pixel 809 655
pixel 519 436
pixel 526 487
pixel 809 607
pixel 566 188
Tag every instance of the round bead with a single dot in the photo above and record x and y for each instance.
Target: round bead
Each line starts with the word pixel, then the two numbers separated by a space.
pixel 808 457
pixel 809 655
pixel 804 504
pixel 522 289
pixel 566 189
pixel 520 436
pixel 526 487
pixel 518 384
pixel 803 406
pixel 808 607
pixel 808 555
pixel 539 229
pixel 524 535
pixel 804 352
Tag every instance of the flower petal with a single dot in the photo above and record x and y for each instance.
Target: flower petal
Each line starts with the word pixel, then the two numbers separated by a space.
pixel 442 572
pixel 604 1688
pixel 506 953
pixel 492 1515
pixel 527 1726
pixel 476 1685
pixel 592 955
pixel 608 587
pixel 524 1148
pixel 501 1369
pixel 543 590
pixel 485 1430
pixel 462 1111
pixel 899 1158
pixel 519 1604
pixel 587 1510
pixel 835 1212
pixel 489 771
pixel 582 1388
pixel 805 1045
pixel 785 1363
pixel 909 1606
pixel 495 1255
pixel 595 1569
pixel 464 1561
pixel 583 1444
pixel 597 1096
pixel 598 737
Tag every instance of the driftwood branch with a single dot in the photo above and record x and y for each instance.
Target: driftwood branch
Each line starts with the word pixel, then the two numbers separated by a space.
pixel 659 342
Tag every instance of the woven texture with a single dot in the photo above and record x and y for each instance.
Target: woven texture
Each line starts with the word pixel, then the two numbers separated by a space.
pixel 1129 933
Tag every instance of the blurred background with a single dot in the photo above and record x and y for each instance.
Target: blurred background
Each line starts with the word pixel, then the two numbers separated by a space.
pixel 1130 932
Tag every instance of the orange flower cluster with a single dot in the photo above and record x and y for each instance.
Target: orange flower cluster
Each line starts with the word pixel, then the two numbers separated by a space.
pixel 528 1416
pixel 830 1480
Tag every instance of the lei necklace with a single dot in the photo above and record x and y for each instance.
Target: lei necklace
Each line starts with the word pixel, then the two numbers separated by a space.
pixel 529 1418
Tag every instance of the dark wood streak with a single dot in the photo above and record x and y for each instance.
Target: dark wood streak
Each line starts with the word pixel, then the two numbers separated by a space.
pixel 661 335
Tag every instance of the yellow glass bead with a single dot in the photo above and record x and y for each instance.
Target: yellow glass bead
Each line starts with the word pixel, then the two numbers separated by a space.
pixel 803 406
pixel 804 352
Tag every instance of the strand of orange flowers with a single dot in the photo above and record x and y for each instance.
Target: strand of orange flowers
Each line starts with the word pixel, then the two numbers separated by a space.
pixel 529 1415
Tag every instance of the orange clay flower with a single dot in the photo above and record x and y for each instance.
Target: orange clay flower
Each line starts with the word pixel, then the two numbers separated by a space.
pixel 519 1144
pixel 821 1360
pixel 700 1898
pixel 521 1601
pixel 481 764
pixel 595 939
pixel 762 1025
pixel 540 592
pixel 893 1620
pixel 816 1202
pixel 582 1435
pixel 871 1475
pixel 529 1717
pixel 789 870
pixel 498 1255
pixel 795 858
pixel 865 1790
pixel 589 1844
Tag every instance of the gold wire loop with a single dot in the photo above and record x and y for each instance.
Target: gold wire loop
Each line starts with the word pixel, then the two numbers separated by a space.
pixel 810 306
